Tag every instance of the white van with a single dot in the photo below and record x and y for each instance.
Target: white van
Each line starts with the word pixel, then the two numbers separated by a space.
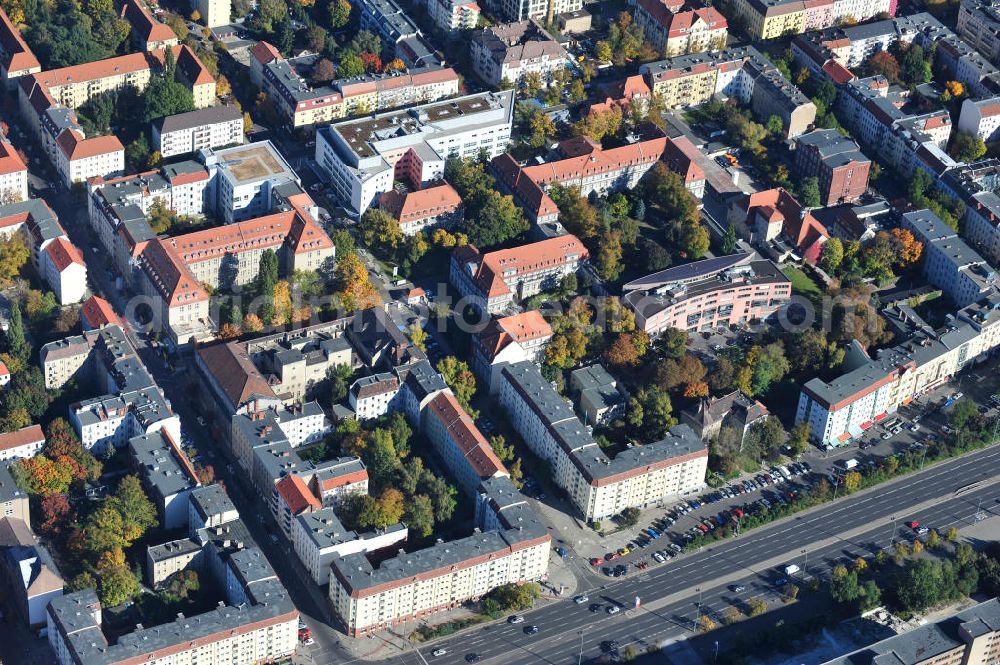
pixel 791 569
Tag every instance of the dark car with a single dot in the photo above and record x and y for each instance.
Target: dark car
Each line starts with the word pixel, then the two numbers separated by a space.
pixel 472 658
pixel 531 630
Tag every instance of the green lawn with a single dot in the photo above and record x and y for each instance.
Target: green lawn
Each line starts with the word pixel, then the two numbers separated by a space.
pixel 802 283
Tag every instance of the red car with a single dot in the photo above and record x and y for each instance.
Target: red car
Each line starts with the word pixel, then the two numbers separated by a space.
pixel 913 525
pixel 611 556
pixel 595 561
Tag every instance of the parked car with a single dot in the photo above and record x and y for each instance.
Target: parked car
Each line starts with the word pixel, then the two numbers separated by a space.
pixel 613 609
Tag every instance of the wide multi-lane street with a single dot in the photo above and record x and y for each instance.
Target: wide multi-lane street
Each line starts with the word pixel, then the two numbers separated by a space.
pixel 948 494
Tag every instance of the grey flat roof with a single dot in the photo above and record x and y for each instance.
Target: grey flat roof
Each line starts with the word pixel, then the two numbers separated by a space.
pixel 159 465
pixel 210 115
pixel 211 500
pixel 173 548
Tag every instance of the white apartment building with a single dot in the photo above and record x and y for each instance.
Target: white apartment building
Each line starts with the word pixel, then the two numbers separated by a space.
pixel 245 177
pixel 981 224
pixel 363 157
pixel 841 410
pixel 451 15
pixel 510 51
pixel 319 537
pixel 25 442
pixel 185 133
pixel 598 486
pixel 63 269
pixel 520 10
pixel 369 599
pixel 374 396
pixel 13 173
pixel 79 159
pixel 508 340
pixel 981 118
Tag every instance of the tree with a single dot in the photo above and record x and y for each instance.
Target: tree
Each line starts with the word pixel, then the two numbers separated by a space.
pixel 915 66
pixel 731 615
pixel 137 511
pixel 159 217
pixel 350 65
pixel 392 505
pixel 419 516
pixel 706 624
pixel 460 379
pixel 354 289
pixel 516 596
pixel 906 247
pixel 575 212
pixel 832 255
pixel 966 147
pixel 884 63
pixel 799 438
pixel 933 539
pixel 852 481
pixel 623 352
pixel 379 230
pixel 498 220
pixel 117 581
pixel 267 272
pixel 729 240
pixel 809 193
pixel 775 126
pixel 316 39
pixel 504 452
pixel 339 12
pixel 165 96
pixel 756 607
pixel 57 513
pixel 14 254
pixel 323 72
pixel 955 88
pixel 962 414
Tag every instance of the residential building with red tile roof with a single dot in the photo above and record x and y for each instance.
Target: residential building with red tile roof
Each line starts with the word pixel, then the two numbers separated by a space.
pixel 531 197
pixel 623 94
pixel 16 58
pixel 981 118
pixel 13 173
pixel 510 51
pixel 25 442
pixel 674 28
pixel 63 268
pixel 507 340
pixel 774 221
pixel 459 443
pixel 291 498
pixel 681 156
pixel 435 206
pixel 148 33
pixel 493 280
pixel 96 312
pixel 4 374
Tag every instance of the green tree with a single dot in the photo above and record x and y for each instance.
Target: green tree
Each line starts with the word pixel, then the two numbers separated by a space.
pixel 339 12
pixel 350 65
pixel 809 193
pixel 419 516
pixel 15 342
pixel 609 256
pixel 165 96
pixel 832 255
pixel 460 379
pixel 159 217
pixel 340 381
pixel 267 272
pixel 729 240
pixel 14 255
pixel 963 413
pixel 966 147
pixel 498 221
pixel 137 511
pixel 775 126
pixel 380 231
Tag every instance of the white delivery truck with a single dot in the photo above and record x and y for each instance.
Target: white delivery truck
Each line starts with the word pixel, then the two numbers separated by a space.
pixel 847 465
pixel 791 569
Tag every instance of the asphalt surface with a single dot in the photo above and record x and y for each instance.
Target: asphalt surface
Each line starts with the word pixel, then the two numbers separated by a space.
pixel 706 575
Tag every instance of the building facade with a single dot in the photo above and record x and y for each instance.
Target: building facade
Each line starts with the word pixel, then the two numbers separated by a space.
pixel 185 133
pixel 511 51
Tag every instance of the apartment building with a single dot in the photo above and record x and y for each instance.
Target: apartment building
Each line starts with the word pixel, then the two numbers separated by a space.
pixel 841 410
pixel 318 537
pixel 296 362
pixel 508 52
pixel 836 162
pixel 623 94
pixel 374 396
pixel 63 268
pixel 522 10
pixel 449 16
pixel 31 578
pixel 775 222
pixel 80 159
pixel 166 473
pixel 979 25
pixel 970 637
pixel 186 133
pixel 769 19
pixel 436 206
pixel 598 486
pixel 55 259
pixel 25 442
pixel 13 173
pixel 506 340
pixel 13 500
pixel 246 177
pixel 214 13
pixel 370 597
pixel 305 104
pixel 674 28
pixel 981 118
pixel 682 157
pixel 363 157
pixel 598 397
pixel 459 443
pixel 734 410
pixel 949 263
pixel 132 403
pixel 16 58
pixel 147 33
pixel 493 280
pixel 722 291
pixel 741 73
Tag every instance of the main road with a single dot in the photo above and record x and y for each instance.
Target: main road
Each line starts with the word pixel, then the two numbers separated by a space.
pixel 947 494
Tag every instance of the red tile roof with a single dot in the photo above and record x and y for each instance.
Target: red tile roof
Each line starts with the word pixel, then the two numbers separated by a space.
pixel 499 333
pixel 10 161
pixel 475 449
pixel 15 52
pixel 838 74
pixel 148 28
pixel 526 191
pixel 595 161
pixel 493 269
pixel 63 254
pixel 97 313
pixel 234 373
pixel 76 147
pixel 801 228
pixel 265 53
pixel 679 155
pixel 22 437
pixel 296 495
pixel 3 369
pixel 421 204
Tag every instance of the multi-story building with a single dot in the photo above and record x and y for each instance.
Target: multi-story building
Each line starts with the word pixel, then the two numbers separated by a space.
pixel 979 25
pixel 775 222
pixel 511 51
pixel 734 410
pixel 64 270
pixel 13 500
pixel 739 72
pixel 13 173
pixel 31 578
pixel 147 33
pixel 597 485
pixel 370 597
pixel 449 16
pixel 53 256
pixel 185 133
pixel 435 206
pixel 949 263
pixel 769 19
pixel 166 473
pixel 214 13
pixel 246 178
pixel 722 291
pixel 981 118
pixel 459 443
pixel 682 157
pixel 96 312
pixel 79 159
pixel 675 27
pixel 374 396
pixel 970 637
pixel 543 10
pixel 598 397
pixel 836 162
pixel 363 157
pixel 132 404
pixel 25 442
pixel 305 104
pixel 318 537
pixel 506 340
pixel 16 58
pixel 491 281
pixel 841 410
